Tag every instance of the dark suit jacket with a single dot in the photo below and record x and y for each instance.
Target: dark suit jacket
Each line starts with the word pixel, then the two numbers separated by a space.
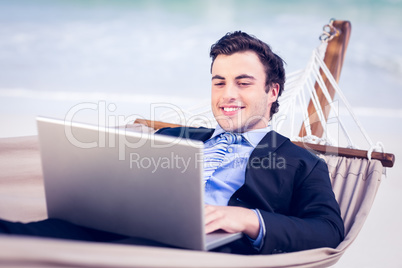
pixel 291 188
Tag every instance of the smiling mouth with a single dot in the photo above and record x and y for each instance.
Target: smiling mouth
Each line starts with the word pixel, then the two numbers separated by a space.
pixel 231 109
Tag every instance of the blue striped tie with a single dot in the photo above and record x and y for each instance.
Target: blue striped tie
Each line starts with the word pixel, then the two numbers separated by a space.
pixel 213 156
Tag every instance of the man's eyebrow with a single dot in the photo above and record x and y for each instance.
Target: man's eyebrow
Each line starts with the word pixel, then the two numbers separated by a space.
pixel 242 76
pixel 218 77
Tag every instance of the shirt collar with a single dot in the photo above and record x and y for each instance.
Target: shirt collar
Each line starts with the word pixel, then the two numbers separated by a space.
pixel 253 136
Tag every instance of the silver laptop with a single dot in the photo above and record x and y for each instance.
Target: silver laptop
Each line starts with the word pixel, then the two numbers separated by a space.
pixel 134 184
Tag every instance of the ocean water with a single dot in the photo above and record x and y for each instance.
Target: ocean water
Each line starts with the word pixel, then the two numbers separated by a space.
pixel 55 55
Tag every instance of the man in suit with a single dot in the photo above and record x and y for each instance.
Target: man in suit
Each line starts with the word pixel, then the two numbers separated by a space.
pixel 279 195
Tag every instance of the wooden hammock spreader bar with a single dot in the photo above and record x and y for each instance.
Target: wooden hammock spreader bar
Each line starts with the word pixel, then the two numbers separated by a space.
pixel 155 124
pixel 387 160
pixel 334 57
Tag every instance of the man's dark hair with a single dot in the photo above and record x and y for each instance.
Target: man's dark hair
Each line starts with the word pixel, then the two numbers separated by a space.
pixel 239 42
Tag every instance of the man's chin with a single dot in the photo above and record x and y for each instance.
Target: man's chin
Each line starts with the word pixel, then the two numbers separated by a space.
pixel 230 124
pixel 229 127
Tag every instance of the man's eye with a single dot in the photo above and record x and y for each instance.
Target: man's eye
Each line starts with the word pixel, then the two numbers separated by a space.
pixel 219 84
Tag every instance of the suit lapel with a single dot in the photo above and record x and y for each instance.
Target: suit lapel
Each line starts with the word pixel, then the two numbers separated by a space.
pixel 268 144
pixel 256 184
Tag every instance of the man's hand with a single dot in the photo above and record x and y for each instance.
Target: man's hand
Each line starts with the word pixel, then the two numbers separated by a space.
pixel 232 220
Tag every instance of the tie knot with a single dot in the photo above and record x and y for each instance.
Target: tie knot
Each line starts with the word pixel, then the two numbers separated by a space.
pixel 231 137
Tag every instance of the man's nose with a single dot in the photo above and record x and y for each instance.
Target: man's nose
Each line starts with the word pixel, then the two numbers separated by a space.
pixel 230 92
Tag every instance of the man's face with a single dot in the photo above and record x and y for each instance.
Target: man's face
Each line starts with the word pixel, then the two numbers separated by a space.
pixel 239 100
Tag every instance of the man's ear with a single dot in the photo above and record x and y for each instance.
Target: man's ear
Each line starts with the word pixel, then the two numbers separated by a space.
pixel 274 92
